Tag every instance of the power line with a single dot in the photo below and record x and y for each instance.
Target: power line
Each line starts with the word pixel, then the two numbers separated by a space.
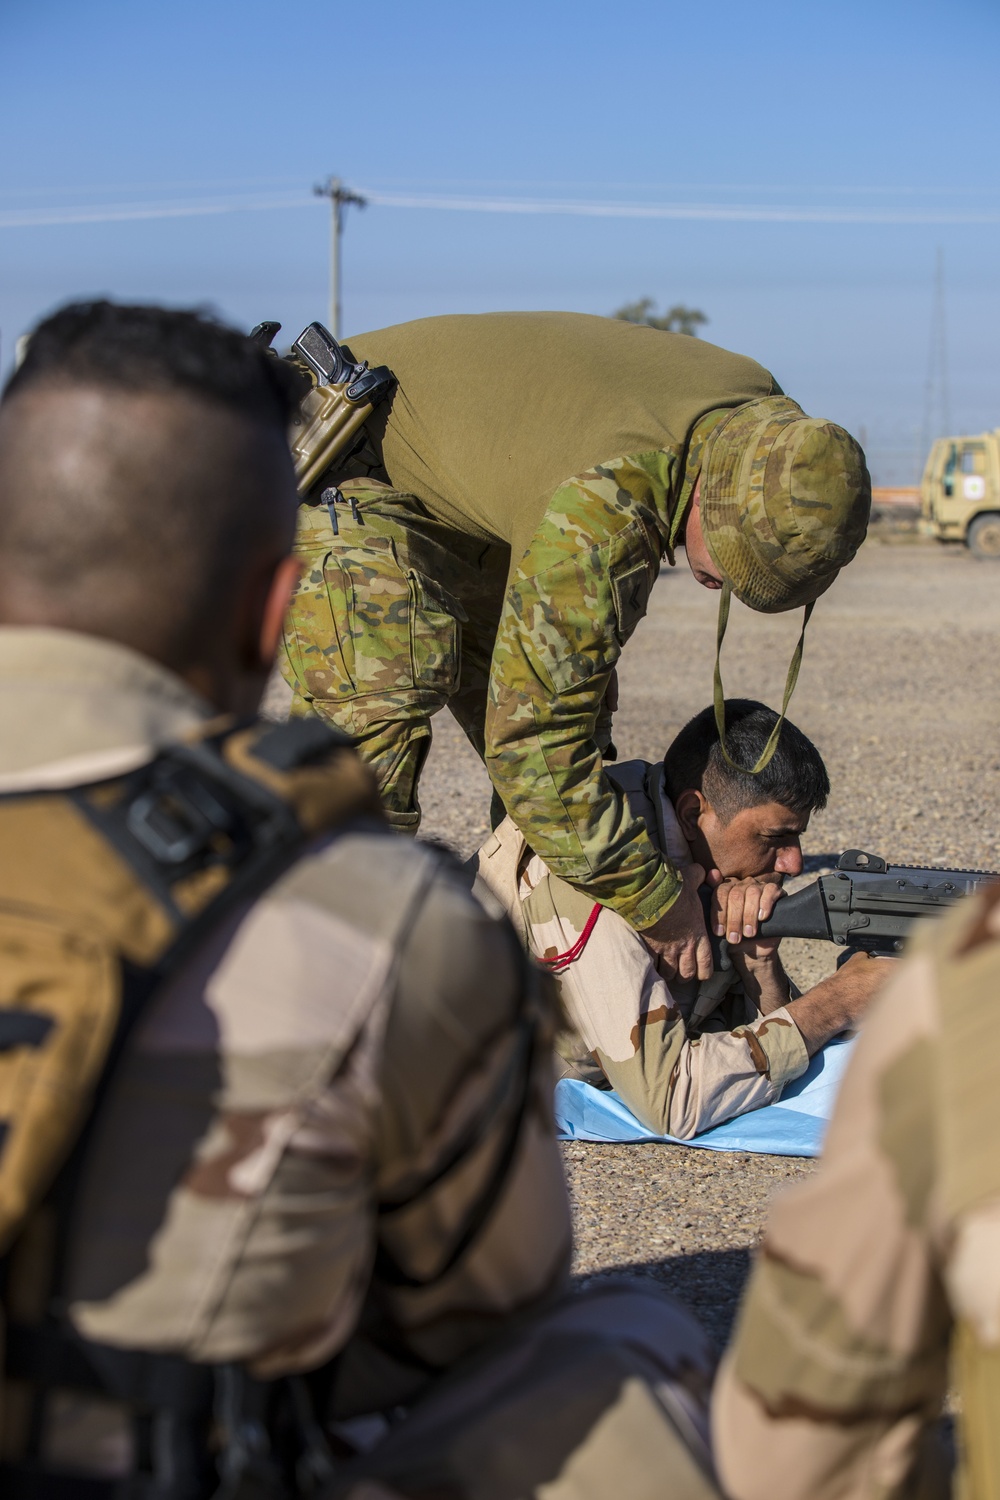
pixel 109 213
pixel 116 213
pixel 710 212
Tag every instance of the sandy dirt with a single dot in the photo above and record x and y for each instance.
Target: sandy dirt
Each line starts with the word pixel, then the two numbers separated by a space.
pixel 900 689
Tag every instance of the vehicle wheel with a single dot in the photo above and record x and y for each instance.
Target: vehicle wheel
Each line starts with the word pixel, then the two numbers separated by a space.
pixel 984 537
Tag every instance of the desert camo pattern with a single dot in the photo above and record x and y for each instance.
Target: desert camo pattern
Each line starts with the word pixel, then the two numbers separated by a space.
pixel 601 1397
pixel 885 1266
pixel 397 617
pixel 682 1057
pixel 300 1132
pixel 285 1096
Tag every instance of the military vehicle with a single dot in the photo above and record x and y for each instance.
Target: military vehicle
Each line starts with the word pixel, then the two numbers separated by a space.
pixel 960 492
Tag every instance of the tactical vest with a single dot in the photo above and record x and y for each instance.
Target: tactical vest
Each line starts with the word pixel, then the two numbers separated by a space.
pixel 104 891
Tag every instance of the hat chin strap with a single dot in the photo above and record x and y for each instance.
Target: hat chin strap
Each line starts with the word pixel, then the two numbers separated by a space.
pixel 792 678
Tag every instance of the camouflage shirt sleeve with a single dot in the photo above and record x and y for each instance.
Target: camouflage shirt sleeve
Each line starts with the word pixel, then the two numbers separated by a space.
pixel 577 595
pixel 839 1362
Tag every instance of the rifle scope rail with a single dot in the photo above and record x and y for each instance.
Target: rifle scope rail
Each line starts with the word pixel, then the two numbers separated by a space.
pixel 867 903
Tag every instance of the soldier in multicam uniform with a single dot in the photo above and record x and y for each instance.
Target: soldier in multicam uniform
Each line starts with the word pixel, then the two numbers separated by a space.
pixel 689 1055
pixel 507 520
pixel 878 1281
pixel 326 1142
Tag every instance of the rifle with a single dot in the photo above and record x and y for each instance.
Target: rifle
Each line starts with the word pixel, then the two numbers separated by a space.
pixel 867 903
pixel 341 398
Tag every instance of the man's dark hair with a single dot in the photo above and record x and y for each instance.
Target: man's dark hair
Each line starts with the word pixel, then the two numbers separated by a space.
pixel 795 777
pixel 149 348
pixel 144 468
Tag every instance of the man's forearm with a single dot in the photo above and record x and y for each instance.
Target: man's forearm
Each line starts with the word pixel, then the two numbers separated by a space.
pixel 765 983
pixel 837 1003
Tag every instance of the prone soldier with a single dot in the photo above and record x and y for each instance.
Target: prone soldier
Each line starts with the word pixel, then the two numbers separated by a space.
pixel 275 1093
pixel 687 1056
pixel 508 513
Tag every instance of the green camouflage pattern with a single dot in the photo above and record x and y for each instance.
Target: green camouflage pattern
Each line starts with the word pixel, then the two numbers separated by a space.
pixel 573 602
pixel 397 617
pixel 377 642
pixel 785 501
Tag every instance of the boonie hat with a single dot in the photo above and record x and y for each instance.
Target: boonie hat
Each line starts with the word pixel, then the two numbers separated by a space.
pixel 785 500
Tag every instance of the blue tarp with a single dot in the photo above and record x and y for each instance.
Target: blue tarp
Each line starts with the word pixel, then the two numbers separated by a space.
pixel 794 1126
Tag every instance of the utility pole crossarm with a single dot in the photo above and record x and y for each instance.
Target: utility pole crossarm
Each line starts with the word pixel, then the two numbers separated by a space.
pixel 340 197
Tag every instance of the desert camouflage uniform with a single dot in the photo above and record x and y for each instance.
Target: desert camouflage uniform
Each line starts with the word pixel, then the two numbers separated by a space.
pixel 305 1123
pixel 683 1057
pixel 510 607
pixel 881 1275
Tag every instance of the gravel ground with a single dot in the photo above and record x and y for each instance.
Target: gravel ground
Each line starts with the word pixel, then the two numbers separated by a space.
pixel 899 689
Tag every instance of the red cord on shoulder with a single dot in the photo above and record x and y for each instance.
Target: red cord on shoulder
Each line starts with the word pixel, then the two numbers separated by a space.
pixel 562 961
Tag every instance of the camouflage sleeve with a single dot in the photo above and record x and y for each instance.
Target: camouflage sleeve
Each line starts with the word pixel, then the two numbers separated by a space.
pixel 264 1146
pixel 839 1362
pixel 624 1012
pixel 577 595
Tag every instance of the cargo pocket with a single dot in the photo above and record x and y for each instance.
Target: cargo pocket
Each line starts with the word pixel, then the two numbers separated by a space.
pixel 436 621
pixel 317 634
pixel 630 591
pixel 362 626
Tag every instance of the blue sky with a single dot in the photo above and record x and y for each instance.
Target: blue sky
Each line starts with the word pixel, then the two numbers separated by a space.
pixel 874 111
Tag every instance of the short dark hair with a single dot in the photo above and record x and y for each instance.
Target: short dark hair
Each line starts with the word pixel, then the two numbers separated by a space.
pixel 140 348
pixel 795 776
pixel 147 537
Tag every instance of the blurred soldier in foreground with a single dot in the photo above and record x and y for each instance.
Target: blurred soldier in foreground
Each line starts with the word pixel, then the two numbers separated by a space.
pixel 880 1276
pixel 506 523
pixel 690 1055
pixel 307 1073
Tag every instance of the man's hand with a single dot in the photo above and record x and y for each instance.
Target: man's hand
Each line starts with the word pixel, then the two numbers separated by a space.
pixel 739 907
pixel 679 940
pixel 838 1003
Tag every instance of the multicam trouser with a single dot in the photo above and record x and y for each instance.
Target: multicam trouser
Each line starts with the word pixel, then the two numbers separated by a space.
pixel 399 615
pixel 394 620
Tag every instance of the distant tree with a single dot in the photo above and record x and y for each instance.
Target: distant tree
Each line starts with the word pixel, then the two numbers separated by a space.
pixel 677 319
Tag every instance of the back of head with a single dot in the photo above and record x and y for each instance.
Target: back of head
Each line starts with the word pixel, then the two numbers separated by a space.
pixel 143 467
pixel 785 500
pixel 795 776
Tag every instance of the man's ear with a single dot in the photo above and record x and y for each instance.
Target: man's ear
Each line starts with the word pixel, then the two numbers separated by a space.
pixel 284 582
pixel 689 807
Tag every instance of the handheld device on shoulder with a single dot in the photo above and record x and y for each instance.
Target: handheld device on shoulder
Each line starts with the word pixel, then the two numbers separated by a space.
pixel 342 398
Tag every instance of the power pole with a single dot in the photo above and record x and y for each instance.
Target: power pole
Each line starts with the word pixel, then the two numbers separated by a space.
pixel 339 197
pixel 937 396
